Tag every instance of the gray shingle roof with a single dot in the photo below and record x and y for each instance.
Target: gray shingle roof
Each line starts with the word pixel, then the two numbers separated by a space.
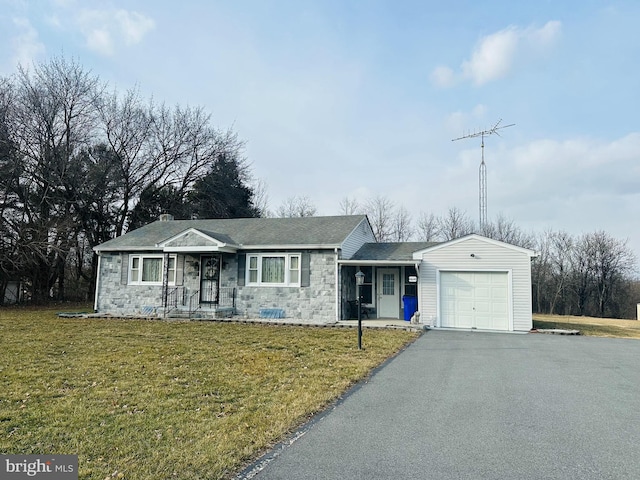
pixel 325 231
pixel 397 251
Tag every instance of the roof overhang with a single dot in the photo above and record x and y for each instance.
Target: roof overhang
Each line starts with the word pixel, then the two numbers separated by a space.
pixel 319 246
pixel 378 262
pixel 127 249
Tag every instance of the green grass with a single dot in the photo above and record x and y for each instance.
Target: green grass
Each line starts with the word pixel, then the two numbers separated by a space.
pixel 595 327
pixel 154 399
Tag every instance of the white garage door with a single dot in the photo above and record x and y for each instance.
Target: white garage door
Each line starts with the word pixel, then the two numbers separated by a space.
pixel 474 300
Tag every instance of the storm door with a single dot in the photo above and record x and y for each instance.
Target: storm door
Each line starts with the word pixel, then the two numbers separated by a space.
pixel 209 279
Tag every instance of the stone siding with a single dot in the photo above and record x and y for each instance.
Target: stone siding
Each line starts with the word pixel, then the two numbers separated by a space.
pixel 315 302
pixel 119 299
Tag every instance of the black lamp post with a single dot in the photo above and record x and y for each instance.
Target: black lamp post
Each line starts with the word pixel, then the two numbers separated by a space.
pixel 359 282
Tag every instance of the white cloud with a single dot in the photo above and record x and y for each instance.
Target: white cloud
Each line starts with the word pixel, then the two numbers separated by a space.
pixel 104 30
pixel 494 55
pixel 133 25
pixel 26 45
pixel 443 77
pixel 546 36
pixel 577 184
pixel 99 40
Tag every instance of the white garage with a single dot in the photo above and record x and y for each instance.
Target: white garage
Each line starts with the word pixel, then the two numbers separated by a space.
pixel 475 282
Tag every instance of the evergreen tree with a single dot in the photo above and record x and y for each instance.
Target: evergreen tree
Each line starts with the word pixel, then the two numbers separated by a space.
pixel 224 191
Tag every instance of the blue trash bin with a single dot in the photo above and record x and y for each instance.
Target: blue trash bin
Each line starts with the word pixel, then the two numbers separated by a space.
pixel 410 304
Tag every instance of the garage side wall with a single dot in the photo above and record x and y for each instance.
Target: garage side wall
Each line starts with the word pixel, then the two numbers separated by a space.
pixel 487 257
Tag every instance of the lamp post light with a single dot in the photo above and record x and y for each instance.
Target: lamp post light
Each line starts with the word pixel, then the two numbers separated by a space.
pixel 359 282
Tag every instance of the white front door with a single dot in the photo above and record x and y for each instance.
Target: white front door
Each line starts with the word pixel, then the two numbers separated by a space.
pixel 388 293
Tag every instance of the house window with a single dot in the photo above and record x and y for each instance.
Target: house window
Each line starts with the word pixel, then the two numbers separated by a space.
pixel 148 269
pixel 273 269
pixel 253 269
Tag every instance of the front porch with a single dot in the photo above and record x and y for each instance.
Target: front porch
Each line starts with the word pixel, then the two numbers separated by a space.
pixel 388 291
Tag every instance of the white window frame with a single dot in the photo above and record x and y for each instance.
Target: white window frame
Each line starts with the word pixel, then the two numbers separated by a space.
pixel 141 258
pixel 287 269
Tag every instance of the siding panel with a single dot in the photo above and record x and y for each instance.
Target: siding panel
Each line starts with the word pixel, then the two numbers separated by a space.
pixel 359 236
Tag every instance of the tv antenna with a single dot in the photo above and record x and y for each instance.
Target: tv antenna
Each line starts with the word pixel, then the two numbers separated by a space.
pixel 483 166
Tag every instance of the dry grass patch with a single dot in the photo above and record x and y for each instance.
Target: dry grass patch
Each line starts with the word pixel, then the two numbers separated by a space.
pixel 597 327
pixel 153 399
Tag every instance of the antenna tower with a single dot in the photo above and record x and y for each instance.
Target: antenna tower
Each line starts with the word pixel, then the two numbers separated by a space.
pixel 483 166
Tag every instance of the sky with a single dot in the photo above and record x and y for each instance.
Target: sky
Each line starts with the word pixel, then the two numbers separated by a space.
pixel 353 99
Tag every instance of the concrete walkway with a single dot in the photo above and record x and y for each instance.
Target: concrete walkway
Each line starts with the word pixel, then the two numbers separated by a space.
pixel 474 405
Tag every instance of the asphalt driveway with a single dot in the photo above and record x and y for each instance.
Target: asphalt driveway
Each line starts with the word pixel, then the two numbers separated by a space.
pixel 460 405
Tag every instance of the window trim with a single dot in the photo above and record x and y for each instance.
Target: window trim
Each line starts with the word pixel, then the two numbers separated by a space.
pixel 287 269
pixel 141 258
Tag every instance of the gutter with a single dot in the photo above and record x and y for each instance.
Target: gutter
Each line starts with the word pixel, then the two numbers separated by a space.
pixel 377 262
pixel 155 248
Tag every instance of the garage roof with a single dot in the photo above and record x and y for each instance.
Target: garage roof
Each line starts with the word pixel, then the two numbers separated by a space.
pixel 394 251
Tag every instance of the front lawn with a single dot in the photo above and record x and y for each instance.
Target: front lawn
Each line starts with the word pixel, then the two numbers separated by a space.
pixel 155 399
pixel 597 327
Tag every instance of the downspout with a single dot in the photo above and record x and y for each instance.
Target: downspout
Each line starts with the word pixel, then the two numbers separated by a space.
pixel 95 301
pixel 338 286
pixel 416 265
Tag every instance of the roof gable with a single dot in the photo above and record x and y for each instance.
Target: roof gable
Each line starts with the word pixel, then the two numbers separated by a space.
pixel 198 239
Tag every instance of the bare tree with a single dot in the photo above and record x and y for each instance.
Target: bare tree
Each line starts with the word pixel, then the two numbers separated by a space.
pixel 75 162
pixel 586 275
pixel 541 273
pixel 52 120
pixel 612 262
pixel 455 224
pixel 428 227
pixel 350 206
pixel 402 229
pixel 296 206
pixel 581 278
pixel 261 197
pixel 505 230
pixel 380 211
pixel 127 125
pixel 561 245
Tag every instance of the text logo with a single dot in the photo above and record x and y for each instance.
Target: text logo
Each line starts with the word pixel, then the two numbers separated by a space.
pixel 50 467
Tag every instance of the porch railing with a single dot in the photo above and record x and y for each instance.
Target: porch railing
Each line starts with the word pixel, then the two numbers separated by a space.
pixel 174 297
pixel 227 297
pixel 194 302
